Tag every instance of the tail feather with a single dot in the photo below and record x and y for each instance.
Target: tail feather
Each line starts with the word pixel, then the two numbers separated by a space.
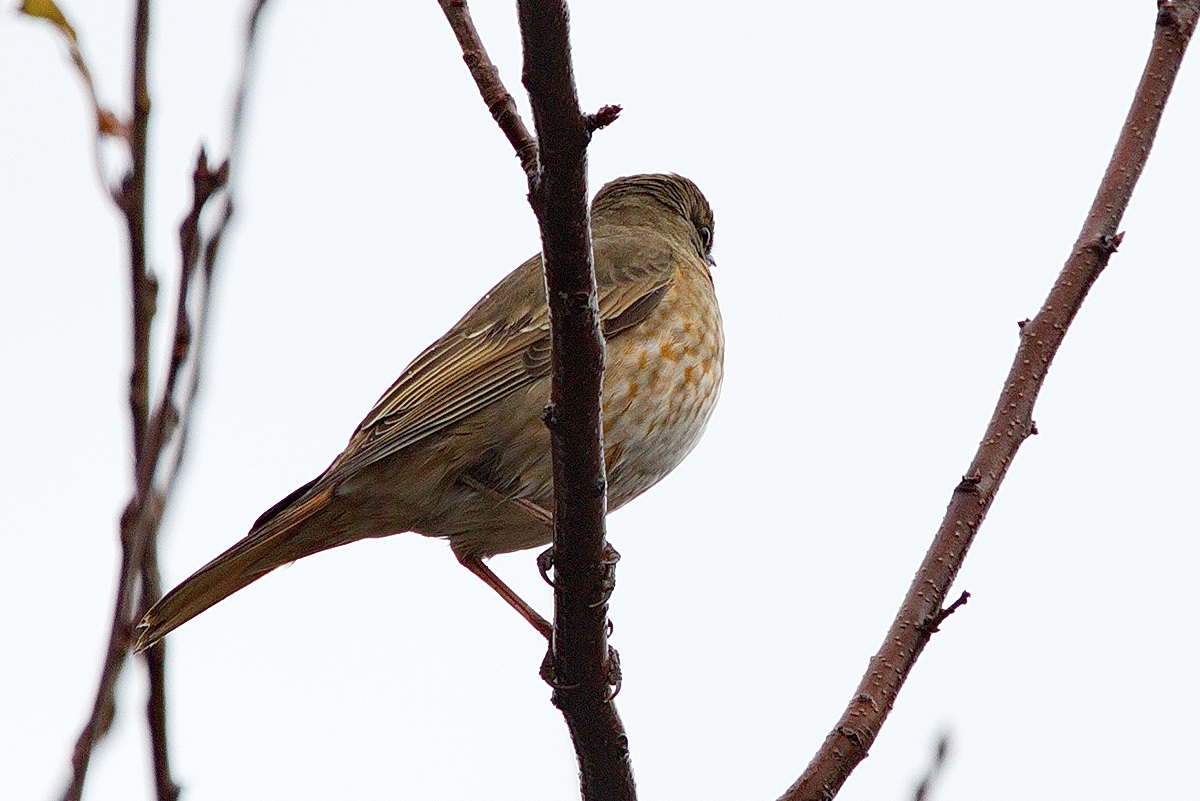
pixel 272 542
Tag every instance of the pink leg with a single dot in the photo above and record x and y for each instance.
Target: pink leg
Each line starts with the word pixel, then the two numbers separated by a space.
pixel 476 566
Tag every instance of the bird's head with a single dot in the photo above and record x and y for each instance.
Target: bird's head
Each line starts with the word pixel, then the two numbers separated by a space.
pixel 661 200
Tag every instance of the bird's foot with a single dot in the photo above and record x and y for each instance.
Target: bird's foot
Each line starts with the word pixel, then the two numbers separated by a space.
pixel 545 563
pixel 609 582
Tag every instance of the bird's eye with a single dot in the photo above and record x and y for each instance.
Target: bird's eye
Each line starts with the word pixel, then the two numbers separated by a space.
pixel 706 236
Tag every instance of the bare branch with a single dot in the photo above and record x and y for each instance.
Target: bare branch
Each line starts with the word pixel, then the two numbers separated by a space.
pixel 107 123
pixel 156 668
pixel 498 100
pixel 931 625
pixel 603 118
pixel 581 667
pixel 210 244
pixel 929 780
pixel 165 429
pixel 131 199
pixel 1011 422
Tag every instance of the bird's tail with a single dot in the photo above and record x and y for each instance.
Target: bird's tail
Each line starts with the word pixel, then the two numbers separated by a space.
pixel 276 539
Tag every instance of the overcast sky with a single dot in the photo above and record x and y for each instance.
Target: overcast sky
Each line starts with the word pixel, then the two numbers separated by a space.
pixel 895 186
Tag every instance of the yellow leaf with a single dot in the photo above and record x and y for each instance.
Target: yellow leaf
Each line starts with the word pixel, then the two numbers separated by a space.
pixel 48 10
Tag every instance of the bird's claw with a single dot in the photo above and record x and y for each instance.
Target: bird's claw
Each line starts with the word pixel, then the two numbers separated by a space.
pixel 545 563
pixel 609 582
pixel 613 670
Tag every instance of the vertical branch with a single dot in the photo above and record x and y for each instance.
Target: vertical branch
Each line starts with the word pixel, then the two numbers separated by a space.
pixel 1011 422
pixel 581 667
pixel 198 260
pixel 130 197
pixel 156 669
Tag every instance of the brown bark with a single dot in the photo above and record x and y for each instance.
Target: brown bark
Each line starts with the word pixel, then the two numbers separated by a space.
pixel 1011 422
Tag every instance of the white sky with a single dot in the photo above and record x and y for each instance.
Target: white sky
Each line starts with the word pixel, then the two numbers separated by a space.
pixel 895 186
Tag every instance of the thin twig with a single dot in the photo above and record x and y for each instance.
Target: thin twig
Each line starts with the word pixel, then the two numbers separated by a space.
pixel 107 123
pixel 1011 422
pixel 925 787
pixel 198 249
pixel 211 242
pixel 131 199
pixel 932 624
pixel 487 78
pixel 165 428
pixel 166 432
pixel 156 669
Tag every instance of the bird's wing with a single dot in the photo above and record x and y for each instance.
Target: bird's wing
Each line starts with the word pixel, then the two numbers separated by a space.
pixel 502 345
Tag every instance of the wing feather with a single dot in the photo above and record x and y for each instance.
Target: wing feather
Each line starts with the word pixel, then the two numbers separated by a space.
pixel 501 346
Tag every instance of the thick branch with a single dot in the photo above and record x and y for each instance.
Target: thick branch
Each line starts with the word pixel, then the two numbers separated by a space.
pixel 580 665
pixel 582 668
pixel 1011 422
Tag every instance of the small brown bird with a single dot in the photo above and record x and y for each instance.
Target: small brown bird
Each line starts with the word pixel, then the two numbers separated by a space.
pixel 457 447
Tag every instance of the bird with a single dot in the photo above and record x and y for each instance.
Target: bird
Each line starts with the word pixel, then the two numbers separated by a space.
pixel 457 447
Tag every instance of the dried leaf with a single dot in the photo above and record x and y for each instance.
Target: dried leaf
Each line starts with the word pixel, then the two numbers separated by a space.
pixel 109 124
pixel 48 10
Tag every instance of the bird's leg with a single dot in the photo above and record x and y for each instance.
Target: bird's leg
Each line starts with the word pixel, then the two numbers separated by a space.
pixel 535 511
pixel 476 566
